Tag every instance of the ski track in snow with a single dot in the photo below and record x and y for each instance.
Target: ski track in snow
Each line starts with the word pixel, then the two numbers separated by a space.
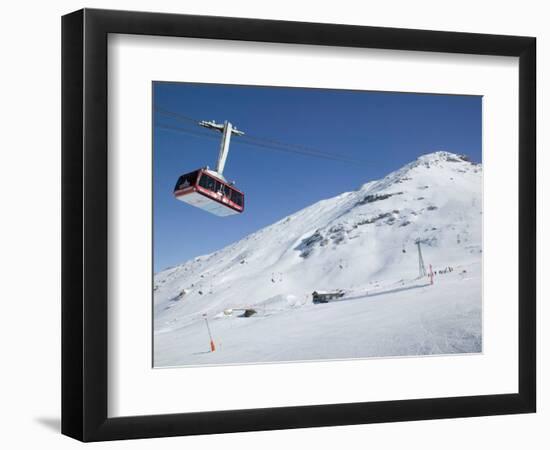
pixel 362 242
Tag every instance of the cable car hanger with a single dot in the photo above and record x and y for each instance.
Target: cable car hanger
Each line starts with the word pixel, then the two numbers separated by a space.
pixel 227 131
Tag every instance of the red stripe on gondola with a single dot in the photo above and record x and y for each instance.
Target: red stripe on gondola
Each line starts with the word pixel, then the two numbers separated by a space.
pixel 187 190
pixel 215 197
pixel 209 194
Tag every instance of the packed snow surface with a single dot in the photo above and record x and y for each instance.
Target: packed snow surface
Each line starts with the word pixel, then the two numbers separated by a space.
pixel 257 292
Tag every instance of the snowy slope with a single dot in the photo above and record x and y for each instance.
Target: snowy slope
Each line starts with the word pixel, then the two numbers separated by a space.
pixel 362 242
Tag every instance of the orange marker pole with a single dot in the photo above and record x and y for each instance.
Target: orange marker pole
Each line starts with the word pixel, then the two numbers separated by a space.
pixel 212 345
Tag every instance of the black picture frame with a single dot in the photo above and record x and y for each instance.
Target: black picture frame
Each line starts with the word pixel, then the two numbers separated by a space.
pixel 84 224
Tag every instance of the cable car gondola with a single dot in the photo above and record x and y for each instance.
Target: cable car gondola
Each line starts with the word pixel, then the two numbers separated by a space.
pixel 204 189
pixel 208 189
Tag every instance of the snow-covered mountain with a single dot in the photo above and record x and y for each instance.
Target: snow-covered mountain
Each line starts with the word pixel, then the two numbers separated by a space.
pixel 361 242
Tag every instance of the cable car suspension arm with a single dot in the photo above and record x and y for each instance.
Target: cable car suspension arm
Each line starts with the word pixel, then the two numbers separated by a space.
pixel 227 131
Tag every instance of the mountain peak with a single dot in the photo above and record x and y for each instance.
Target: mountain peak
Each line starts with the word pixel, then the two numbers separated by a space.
pixel 415 170
pixel 442 156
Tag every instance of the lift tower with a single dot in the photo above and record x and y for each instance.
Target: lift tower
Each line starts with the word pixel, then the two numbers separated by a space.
pixel 421 268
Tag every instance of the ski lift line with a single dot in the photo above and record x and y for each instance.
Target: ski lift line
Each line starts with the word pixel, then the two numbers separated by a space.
pixel 242 140
pixel 269 143
pixel 303 151
pixel 410 247
pixel 165 112
pixel 288 150
pixel 300 147
pixel 183 130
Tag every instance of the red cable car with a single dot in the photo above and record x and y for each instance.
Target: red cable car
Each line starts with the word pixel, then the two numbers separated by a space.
pixel 205 189
pixel 208 189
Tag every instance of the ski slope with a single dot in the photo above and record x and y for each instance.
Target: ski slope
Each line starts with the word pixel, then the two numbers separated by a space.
pixel 362 242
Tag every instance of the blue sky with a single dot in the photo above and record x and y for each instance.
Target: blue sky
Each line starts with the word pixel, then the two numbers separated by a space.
pixel 382 130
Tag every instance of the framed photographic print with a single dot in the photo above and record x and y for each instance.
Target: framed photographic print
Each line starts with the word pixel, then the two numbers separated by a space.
pixel 267 224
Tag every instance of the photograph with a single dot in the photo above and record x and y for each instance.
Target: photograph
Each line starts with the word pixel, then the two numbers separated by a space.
pixel 298 224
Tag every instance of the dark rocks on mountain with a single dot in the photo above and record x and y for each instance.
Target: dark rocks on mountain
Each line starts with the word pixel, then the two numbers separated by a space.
pixel 402 180
pixel 338 238
pixel 306 246
pixel 376 197
pixel 374 219
pixel 453 159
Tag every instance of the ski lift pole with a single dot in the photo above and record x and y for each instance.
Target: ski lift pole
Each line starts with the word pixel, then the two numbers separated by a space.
pixel 212 345
pixel 421 267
